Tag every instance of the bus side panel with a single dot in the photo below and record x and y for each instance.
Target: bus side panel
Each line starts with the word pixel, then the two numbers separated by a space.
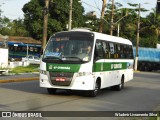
pixel 111 71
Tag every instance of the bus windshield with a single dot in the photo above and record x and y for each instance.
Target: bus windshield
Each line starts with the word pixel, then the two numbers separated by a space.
pixel 73 47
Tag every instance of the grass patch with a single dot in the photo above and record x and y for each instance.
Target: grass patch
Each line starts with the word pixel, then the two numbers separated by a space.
pixel 27 69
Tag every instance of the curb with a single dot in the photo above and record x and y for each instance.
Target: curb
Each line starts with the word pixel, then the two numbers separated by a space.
pixel 19 80
pixel 157 108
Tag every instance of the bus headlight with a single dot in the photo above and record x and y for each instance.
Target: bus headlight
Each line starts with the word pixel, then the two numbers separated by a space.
pixel 83 74
pixel 43 72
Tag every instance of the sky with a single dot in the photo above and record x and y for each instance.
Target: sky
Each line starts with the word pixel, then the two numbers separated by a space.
pixel 13 8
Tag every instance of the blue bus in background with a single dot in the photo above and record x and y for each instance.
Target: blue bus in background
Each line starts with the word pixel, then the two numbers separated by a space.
pixel 148 58
pixel 19 50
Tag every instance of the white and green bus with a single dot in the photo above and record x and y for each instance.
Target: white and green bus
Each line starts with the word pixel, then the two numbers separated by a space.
pixel 85 60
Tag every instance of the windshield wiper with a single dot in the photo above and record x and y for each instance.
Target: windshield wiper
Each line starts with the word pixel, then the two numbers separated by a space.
pixel 76 58
pixel 51 58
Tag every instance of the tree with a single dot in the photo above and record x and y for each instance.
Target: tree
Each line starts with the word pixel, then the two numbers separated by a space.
pixel 5 26
pixel 13 28
pixel 33 17
pixel 126 18
pixel 151 29
pixel 92 22
pixel 58 16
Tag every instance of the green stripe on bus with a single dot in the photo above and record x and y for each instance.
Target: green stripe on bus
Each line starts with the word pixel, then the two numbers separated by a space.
pixel 102 66
pixel 63 67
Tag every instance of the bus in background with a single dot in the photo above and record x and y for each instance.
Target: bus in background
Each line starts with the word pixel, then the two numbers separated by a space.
pixel 84 60
pixel 19 50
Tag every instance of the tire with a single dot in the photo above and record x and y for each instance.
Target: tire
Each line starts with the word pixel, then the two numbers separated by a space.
pixel 120 86
pixel 94 93
pixel 51 90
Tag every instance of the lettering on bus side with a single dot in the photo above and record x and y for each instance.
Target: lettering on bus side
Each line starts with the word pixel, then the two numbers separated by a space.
pixel 116 66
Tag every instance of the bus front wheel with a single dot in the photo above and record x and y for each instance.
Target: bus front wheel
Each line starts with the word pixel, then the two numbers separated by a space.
pixel 93 93
pixel 51 90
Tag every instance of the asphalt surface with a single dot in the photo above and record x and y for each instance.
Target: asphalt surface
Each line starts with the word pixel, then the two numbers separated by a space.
pixel 140 94
pixel 19 77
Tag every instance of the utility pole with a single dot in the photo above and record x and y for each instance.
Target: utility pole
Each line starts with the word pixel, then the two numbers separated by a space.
pixel 70 15
pixel 112 16
pixel 45 22
pixel 102 15
pixel 118 29
pixel 158 6
pixel 137 42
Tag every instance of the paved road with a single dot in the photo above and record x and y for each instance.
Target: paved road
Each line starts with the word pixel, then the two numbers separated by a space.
pixel 18 76
pixel 140 94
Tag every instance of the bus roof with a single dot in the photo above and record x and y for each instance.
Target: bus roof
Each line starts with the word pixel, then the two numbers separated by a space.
pixel 110 38
pixel 102 36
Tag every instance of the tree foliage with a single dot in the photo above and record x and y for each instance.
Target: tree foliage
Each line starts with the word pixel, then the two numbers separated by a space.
pixel 32 25
pixel 127 18
pixel 13 28
pixel 58 16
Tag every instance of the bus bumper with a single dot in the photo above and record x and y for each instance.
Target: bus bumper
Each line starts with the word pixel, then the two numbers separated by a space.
pixel 78 83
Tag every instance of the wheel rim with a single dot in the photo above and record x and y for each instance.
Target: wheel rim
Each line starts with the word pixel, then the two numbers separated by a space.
pixel 122 83
pixel 96 89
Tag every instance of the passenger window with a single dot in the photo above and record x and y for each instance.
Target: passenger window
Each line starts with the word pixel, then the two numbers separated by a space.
pixel 106 50
pixel 117 51
pixel 130 52
pixel 99 53
pixel 125 51
pixel 111 45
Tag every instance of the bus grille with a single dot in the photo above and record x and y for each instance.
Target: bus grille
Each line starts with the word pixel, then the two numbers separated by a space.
pixel 61 78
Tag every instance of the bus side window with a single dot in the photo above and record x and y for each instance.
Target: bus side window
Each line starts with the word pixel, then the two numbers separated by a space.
pixel 117 53
pixel 111 45
pixel 130 52
pixel 98 53
pixel 125 51
pixel 106 50
pixel 122 56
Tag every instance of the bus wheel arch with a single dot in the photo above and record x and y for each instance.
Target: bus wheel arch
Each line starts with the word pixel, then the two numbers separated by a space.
pixel 120 86
pixel 97 87
pixel 122 81
pixel 98 80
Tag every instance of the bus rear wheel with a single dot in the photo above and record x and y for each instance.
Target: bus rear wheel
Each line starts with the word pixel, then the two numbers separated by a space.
pixel 94 93
pixel 51 90
pixel 120 86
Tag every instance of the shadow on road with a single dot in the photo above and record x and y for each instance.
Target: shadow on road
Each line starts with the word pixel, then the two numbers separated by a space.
pixel 33 87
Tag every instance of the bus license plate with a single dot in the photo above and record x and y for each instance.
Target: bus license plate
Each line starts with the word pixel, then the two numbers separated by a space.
pixel 60 79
